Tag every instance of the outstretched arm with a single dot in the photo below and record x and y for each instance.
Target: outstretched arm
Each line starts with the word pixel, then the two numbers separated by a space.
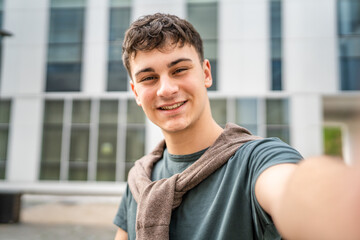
pixel 121 235
pixel 318 198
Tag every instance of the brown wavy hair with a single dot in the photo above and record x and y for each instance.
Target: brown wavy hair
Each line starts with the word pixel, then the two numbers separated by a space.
pixel 159 31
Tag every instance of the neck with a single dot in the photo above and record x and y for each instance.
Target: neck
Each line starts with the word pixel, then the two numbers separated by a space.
pixel 193 139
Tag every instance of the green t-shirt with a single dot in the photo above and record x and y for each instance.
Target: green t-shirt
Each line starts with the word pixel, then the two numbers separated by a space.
pixel 223 206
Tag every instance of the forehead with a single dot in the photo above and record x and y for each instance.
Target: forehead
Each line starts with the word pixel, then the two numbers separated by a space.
pixel 158 57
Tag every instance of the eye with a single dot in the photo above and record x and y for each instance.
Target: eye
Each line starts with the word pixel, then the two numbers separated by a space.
pixel 149 78
pixel 179 70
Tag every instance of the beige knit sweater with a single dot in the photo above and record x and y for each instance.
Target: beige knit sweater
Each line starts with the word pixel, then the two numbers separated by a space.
pixel 157 199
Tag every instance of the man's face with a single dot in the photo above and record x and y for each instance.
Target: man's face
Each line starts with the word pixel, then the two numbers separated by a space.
pixel 170 86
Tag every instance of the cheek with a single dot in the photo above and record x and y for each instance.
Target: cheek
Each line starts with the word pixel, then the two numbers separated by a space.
pixel 145 98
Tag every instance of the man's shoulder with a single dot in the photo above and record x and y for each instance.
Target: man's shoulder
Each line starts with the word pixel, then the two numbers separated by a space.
pixel 270 149
pixel 270 143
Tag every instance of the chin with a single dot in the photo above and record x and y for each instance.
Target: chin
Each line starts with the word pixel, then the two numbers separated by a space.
pixel 174 127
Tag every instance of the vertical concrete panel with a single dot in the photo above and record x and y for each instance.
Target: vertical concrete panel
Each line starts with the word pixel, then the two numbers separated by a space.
pixel 244 46
pixel 24 140
pixel 95 49
pixel 24 54
pixel 306 124
pixel 310 46
pixel 353 136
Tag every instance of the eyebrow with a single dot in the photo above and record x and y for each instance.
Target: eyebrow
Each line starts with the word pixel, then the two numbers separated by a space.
pixel 173 63
pixel 144 70
pixel 177 61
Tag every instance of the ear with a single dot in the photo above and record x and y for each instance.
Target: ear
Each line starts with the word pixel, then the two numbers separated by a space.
pixel 135 93
pixel 207 73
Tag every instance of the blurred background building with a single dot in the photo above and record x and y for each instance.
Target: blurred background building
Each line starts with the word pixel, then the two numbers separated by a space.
pixel 289 69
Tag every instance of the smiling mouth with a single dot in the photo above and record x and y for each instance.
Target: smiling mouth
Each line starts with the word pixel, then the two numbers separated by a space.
pixel 171 107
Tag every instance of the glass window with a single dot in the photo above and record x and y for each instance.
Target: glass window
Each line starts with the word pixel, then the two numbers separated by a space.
pixel 349 44
pixel 63 77
pixel 79 141
pixel 3 143
pixel 213 63
pixel 350 62
pixel 115 52
pixel 350 73
pixel 73 120
pixel 281 132
pixel 107 153
pixel 51 140
pixel 67 3
pixel 276 44
pixel 51 152
pixel 50 171
pixel 81 111
pixel 204 18
pixel 135 143
pixel 277 119
pixel 276 48
pixel 5 106
pixel 277 111
pixel 52 137
pixel 64 53
pixel 203 15
pixel 246 114
pixel 107 141
pixel 4 111
pixel 119 22
pixel 276 74
pixel 275 18
pixel 65 45
pixel 120 3
pixel 135 146
pixel 117 77
pixel 135 113
pixel 348 17
pixel 219 111
pixel 66 25
pixel 108 112
pixel 135 134
pixel 79 150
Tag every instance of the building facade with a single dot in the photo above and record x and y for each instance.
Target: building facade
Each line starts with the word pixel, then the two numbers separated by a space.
pixel 287 69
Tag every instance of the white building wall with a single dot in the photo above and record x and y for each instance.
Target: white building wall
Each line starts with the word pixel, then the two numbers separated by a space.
pixel 23 79
pixel 244 54
pixel 306 124
pixel 25 140
pixel 309 56
pixel 95 58
pixel 354 139
pixel 350 137
pixel 310 46
pixel 144 7
pixel 24 53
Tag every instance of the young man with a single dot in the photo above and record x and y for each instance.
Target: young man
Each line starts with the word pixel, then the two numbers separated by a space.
pixel 205 182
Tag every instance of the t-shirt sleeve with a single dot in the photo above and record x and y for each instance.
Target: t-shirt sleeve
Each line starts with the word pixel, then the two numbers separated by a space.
pixel 264 154
pixel 120 219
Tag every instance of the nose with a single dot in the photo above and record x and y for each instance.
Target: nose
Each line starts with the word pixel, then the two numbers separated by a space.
pixel 168 87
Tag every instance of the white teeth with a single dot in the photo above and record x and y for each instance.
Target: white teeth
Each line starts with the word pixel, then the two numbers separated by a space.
pixel 172 106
